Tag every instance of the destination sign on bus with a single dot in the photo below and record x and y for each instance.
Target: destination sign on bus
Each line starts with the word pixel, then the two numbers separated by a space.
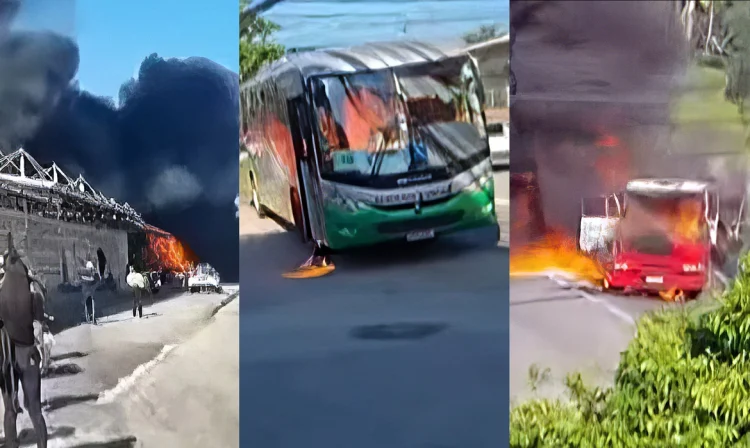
pixel 410 196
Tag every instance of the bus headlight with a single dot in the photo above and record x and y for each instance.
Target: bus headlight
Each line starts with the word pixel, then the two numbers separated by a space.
pixel 621 266
pixel 692 267
pixel 468 183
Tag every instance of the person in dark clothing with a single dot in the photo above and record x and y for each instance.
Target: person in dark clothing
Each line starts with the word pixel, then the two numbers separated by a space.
pixel 90 279
pixel 21 313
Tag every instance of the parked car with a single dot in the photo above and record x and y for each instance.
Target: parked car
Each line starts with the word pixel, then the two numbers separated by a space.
pixel 204 279
pixel 498 134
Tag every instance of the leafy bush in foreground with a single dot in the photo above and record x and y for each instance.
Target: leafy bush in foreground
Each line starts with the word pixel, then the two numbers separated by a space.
pixel 684 381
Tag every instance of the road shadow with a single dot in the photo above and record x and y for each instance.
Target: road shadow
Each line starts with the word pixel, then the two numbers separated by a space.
pixel 69 355
pixel 125 442
pixel 27 437
pixel 60 370
pixel 62 401
pixel 68 308
pixel 112 320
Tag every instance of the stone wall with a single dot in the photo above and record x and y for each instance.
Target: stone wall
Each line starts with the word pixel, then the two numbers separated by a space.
pixel 57 249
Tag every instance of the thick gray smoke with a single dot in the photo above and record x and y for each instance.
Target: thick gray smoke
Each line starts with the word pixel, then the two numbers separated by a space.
pixel 586 71
pixel 169 148
pixel 35 69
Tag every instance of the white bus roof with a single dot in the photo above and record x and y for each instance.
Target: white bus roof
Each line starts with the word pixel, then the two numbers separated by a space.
pixel 666 186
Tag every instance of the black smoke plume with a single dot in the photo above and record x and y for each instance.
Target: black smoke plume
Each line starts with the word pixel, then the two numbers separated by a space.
pixel 169 148
pixel 585 71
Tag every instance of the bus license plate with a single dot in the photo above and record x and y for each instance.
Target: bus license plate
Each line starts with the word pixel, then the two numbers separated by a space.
pixel 420 235
pixel 654 279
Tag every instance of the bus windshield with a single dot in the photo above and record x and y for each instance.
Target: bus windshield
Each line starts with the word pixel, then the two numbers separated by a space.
pixel 399 122
pixel 654 224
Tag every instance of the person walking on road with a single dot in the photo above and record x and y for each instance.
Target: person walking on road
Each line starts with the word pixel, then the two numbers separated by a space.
pixel 90 279
pixel 140 285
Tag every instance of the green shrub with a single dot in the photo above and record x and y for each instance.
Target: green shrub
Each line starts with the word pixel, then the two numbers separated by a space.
pixel 683 381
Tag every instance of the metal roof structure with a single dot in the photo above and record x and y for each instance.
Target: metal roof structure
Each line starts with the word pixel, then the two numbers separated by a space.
pixel 488 44
pixel 19 170
pixel 292 69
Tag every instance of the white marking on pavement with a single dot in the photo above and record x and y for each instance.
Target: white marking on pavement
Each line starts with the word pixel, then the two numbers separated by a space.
pixel 722 278
pixel 552 274
pixel 627 318
pixel 124 384
pixel 611 308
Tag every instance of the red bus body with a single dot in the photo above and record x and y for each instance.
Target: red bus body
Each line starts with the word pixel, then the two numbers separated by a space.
pixel 640 241
pixel 685 269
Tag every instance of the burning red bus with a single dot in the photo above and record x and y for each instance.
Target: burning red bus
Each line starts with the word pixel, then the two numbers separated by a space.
pixel 658 236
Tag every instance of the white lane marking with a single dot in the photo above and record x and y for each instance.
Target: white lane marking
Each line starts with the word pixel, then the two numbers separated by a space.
pixel 722 278
pixel 124 384
pixel 609 307
pixel 619 313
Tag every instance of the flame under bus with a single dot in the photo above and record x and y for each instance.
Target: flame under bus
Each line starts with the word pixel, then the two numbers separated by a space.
pixel 656 236
pixel 370 144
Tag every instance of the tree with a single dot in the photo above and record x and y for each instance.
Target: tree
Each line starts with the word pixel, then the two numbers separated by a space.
pixel 702 23
pixel 484 33
pixel 736 45
pixel 257 46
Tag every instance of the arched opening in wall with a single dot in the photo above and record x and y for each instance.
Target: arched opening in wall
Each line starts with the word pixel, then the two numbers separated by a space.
pixel 64 274
pixel 102 261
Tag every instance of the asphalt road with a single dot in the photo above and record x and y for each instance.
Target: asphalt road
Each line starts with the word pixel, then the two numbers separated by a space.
pixel 114 385
pixel 308 380
pixel 564 329
pixel 502 203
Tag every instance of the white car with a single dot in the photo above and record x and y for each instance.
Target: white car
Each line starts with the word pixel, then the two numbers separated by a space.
pixel 204 279
pixel 499 138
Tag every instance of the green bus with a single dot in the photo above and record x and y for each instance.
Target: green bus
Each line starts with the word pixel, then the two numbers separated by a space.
pixel 376 143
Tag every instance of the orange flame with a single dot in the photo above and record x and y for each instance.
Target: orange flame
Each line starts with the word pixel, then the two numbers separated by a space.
pixel 680 218
pixel 554 252
pixel 167 253
pixel 557 251
pixel 687 222
pixel 673 295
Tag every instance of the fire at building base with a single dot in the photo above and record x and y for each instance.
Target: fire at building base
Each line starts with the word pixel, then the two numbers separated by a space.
pixel 61 223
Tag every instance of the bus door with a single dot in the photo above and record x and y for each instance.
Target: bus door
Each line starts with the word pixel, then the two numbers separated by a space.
pixel 596 229
pixel 309 178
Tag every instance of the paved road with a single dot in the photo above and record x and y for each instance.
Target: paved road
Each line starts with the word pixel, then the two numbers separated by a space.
pixel 307 381
pixel 106 390
pixel 566 329
pixel 502 203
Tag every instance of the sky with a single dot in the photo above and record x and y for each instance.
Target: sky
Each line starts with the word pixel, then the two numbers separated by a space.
pixel 311 23
pixel 115 35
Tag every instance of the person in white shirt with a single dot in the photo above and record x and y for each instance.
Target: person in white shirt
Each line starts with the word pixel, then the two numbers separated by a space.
pixel 90 279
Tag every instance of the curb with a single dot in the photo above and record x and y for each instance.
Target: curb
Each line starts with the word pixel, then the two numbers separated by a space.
pixel 224 303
